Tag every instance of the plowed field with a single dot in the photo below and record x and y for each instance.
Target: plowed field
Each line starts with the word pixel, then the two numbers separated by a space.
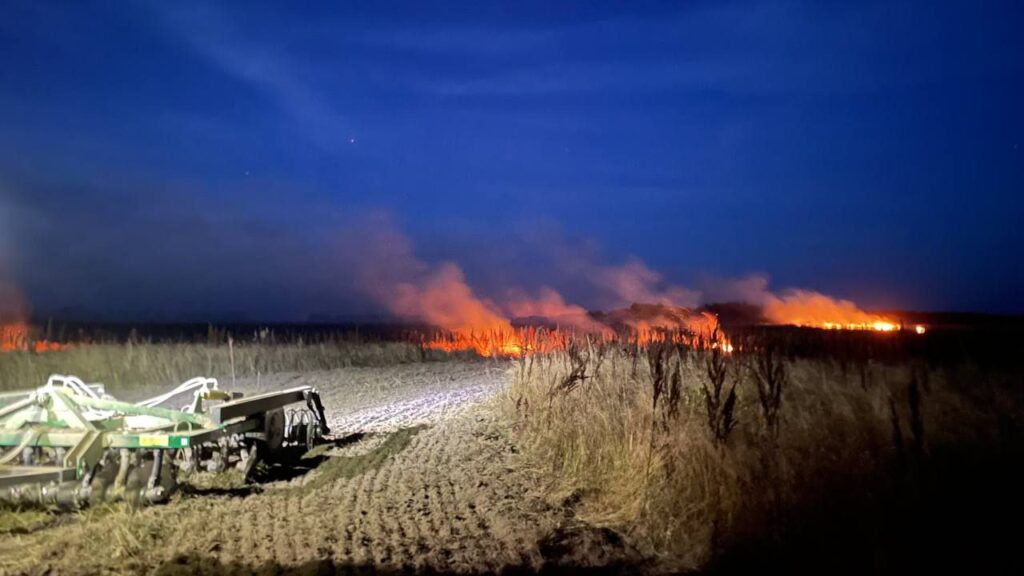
pixel 423 477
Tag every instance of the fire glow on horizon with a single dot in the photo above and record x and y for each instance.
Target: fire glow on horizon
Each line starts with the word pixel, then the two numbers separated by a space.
pixel 16 337
pixel 525 341
pixel 641 323
pixel 517 342
pixel 387 270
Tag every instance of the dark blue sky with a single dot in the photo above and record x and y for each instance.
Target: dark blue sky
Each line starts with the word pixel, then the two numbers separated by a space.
pixel 212 159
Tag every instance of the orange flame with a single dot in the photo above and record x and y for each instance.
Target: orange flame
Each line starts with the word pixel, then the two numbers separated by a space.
pixel 499 343
pixel 16 337
pixel 877 325
pixel 518 342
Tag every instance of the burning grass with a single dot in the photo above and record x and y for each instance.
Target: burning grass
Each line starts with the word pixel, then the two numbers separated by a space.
pixel 17 337
pixel 497 343
pixel 698 330
pixel 127 361
pixel 714 460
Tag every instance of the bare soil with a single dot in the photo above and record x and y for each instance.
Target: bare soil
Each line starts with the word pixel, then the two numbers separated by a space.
pixel 423 477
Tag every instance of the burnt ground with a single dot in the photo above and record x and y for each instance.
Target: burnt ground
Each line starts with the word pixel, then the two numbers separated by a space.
pixel 423 477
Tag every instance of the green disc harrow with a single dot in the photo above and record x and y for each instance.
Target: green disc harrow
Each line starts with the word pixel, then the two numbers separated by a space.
pixel 70 444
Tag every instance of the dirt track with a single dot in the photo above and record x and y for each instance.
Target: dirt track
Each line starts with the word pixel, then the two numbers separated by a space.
pixel 426 479
pixel 373 400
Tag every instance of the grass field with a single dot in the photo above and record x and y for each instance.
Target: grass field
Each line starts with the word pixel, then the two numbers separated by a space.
pixel 802 451
pixel 721 462
pixel 124 366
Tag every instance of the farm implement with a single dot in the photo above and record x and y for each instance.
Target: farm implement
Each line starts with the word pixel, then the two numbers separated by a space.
pixel 70 444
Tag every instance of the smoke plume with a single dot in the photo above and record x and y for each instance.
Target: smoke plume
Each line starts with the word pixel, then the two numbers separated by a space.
pixel 13 306
pixel 550 305
pixel 792 306
pixel 634 282
pixel 385 268
pixel 442 298
pixel 809 308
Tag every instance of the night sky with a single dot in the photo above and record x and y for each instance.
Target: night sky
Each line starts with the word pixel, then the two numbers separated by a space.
pixel 217 161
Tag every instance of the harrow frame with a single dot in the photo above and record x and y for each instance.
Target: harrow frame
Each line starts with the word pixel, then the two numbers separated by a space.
pixel 72 441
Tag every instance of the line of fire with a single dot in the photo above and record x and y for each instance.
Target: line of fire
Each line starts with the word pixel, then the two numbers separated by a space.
pixel 638 325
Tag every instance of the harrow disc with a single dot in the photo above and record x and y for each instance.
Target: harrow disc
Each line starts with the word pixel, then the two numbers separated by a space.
pixel 138 477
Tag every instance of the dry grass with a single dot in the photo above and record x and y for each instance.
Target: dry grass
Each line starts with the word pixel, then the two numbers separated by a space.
pixel 810 439
pixel 127 537
pixel 123 367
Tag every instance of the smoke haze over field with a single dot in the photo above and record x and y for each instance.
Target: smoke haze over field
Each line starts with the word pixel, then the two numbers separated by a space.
pixel 531 158
pixel 368 261
pixel 382 264
pixel 12 304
